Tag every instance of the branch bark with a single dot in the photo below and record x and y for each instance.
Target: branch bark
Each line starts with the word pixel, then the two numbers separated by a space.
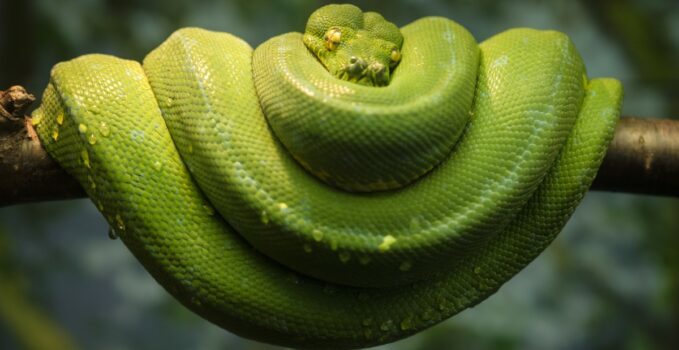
pixel 27 173
pixel 642 158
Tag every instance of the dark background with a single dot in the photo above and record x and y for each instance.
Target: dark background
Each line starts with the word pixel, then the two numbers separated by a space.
pixel 609 281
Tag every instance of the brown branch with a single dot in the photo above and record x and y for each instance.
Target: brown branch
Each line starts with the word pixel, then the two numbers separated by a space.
pixel 27 173
pixel 643 158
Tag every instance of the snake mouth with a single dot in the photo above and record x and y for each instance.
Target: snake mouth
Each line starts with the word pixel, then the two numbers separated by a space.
pixel 358 70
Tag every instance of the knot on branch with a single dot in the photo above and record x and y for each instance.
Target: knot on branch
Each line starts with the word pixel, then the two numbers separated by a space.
pixel 13 105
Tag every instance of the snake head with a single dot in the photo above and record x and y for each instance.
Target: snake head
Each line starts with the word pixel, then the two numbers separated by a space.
pixel 352 45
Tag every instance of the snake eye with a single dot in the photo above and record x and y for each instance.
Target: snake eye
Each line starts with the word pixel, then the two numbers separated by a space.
pixel 332 38
pixel 395 57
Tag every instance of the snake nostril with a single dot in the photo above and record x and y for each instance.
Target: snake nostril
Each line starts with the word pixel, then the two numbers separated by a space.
pixel 377 68
pixel 379 73
pixel 355 67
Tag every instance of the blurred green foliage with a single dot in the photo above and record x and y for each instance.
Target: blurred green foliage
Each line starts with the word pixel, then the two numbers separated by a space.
pixel 610 281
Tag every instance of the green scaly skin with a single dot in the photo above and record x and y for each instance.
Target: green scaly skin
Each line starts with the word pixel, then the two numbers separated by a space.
pixel 276 245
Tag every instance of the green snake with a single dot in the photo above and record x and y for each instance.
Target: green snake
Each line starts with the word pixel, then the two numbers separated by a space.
pixel 341 188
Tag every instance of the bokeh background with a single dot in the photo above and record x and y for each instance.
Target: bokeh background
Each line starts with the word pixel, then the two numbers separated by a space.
pixel 609 281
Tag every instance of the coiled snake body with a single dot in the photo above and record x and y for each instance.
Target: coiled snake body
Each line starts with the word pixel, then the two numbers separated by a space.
pixel 347 193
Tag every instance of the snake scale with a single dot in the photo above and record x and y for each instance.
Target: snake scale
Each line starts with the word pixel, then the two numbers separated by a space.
pixel 341 188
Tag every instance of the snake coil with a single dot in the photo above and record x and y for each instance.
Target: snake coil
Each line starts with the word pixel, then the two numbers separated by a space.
pixel 343 188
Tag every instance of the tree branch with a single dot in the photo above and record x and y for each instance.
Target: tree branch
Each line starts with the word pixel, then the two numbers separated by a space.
pixel 642 158
pixel 27 173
